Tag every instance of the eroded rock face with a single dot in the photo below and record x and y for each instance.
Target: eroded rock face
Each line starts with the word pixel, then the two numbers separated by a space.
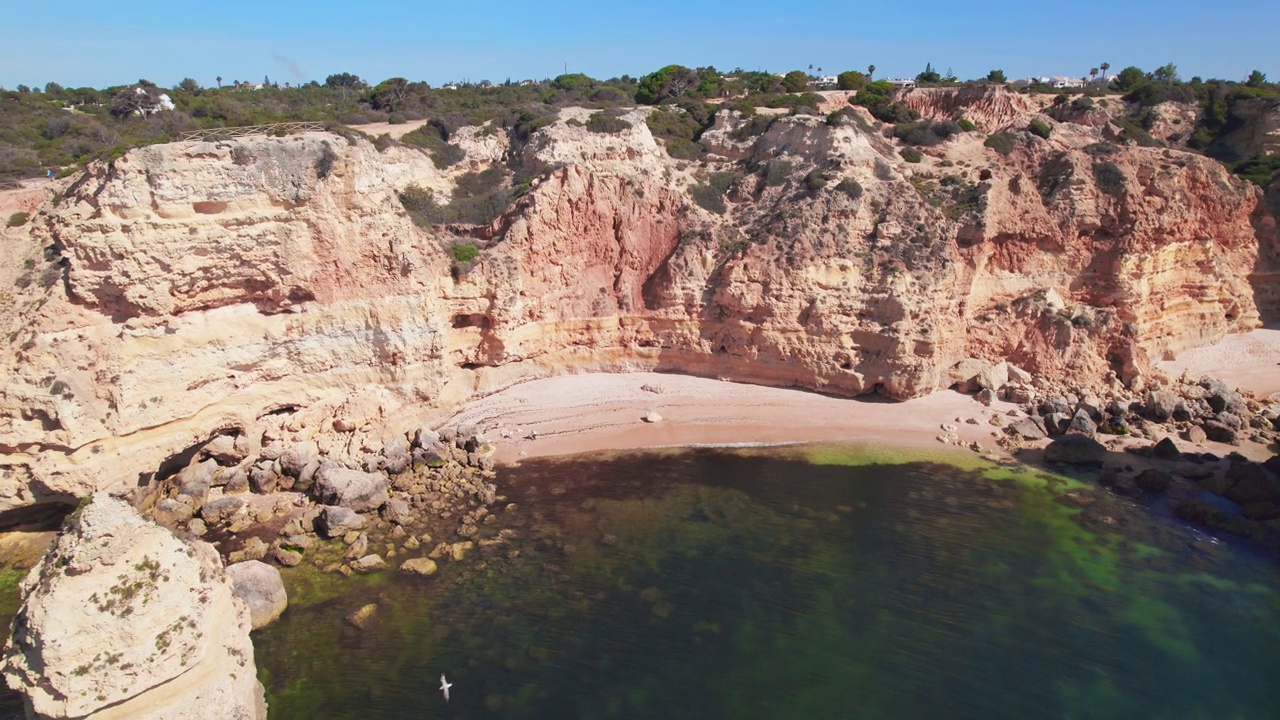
pixel 215 286
pixel 125 620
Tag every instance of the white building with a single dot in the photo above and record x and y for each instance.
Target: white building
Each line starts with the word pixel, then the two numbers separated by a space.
pixel 901 83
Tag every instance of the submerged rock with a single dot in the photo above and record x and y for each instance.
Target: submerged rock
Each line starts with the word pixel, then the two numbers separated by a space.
pixel 122 614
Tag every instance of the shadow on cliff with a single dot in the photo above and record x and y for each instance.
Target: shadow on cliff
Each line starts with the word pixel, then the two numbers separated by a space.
pixel 1265 278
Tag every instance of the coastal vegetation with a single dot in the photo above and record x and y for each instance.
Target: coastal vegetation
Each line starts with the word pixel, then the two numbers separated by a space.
pixel 56 128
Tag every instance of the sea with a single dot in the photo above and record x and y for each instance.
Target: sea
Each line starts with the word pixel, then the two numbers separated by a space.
pixel 793 582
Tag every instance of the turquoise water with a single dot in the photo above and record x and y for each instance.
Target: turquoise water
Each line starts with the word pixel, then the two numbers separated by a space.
pixel 797 583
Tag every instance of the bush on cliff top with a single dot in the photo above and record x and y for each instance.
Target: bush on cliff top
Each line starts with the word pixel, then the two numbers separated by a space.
pixel 1039 128
pixel 17 219
pixel 606 123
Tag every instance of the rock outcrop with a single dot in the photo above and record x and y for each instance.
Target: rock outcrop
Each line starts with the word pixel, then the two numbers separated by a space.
pixel 225 298
pixel 122 619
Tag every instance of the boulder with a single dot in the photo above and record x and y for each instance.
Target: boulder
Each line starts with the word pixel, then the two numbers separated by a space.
pixel 369 563
pixel 397 511
pixel 261 588
pixel 1055 404
pixel 1018 375
pixel 1160 405
pixel 224 450
pixel 362 617
pixel 334 522
pixel 1166 449
pixel 986 396
pixel 419 566
pixel 1082 424
pixel 1018 394
pixel 254 549
pixel 219 511
pixel 194 481
pixel 1154 481
pixel 1075 450
pixel 1056 423
pixel 964 374
pixel 117 591
pixel 1217 432
pixel 652 417
pixel 1025 429
pixel 360 491
pixel 993 377
pixel 295 461
pixel 1196 434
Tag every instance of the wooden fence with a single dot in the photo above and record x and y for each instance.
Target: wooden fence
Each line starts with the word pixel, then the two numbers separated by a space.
pixel 228 133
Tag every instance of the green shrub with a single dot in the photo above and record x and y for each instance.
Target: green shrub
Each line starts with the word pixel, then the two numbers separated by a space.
pixel 1039 128
pixel 396 118
pixel 1260 169
pixel 776 172
pixel 604 122
pixel 324 163
pixel 1131 129
pixel 1101 149
pixel 966 125
pixel 708 198
pixel 465 252
pixel 911 155
pixel 17 219
pixel 478 199
pixel 850 187
pixel 1000 142
pixel 815 181
pixel 926 133
pixel 755 126
pixel 1110 178
pixel 432 138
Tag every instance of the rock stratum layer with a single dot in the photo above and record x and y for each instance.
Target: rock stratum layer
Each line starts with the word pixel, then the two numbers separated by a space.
pixel 124 620
pixel 200 289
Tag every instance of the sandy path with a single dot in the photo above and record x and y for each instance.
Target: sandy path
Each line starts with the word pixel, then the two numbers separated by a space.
pixel 584 413
pixel 1247 360
pixel 396 131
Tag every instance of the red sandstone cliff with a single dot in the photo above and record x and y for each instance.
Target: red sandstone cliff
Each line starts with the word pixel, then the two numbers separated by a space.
pixel 206 285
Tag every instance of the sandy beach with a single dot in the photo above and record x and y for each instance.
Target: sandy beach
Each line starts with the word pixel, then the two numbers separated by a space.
pixel 592 412
pixel 1248 360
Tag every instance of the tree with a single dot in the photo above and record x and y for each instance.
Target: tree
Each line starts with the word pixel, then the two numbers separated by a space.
pixel 219 79
pixel 1128 79
pixel 672 81
pixel 135 99
pixel 189 85
pixel 344 80
pixel 1166 74
pixel 1093 73
pixel 1105 67
pixel 389 94
pixel 996 76
pixel 53 88
pixel 795 81
pixel 929 76
pixel 1256 79
pixel 851 80
pixel 871 72
pixel 23 88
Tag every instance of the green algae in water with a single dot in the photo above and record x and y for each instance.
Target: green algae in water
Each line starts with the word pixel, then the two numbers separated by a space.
pixel 796 582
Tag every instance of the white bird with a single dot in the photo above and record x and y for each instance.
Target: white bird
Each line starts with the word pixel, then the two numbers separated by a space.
pixel 444 687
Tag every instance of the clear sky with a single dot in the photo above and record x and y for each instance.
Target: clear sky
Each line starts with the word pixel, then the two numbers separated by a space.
pixel 101 43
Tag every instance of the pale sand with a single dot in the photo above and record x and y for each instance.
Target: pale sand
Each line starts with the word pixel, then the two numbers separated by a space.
pixel 593 412
pixel 396 131
pixel 1248 360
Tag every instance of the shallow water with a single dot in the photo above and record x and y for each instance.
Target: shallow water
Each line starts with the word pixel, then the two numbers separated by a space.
pixel 797 582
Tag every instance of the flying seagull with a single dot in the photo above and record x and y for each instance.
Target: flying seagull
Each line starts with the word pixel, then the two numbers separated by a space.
pixel 444 687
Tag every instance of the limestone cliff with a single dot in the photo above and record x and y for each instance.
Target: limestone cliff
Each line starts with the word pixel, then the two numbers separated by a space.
pixel 124 620
pixel 209 288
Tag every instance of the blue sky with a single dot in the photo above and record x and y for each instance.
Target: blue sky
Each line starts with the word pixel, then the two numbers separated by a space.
pixel 102 43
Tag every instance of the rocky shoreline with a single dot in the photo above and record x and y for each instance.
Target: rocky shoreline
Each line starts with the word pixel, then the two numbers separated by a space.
pixel 1131 443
